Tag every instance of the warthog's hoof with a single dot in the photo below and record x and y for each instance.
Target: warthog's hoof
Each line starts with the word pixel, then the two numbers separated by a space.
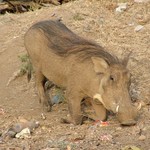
pixel 77 121
pixel 47 107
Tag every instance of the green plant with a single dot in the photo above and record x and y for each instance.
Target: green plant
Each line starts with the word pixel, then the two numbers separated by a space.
pixel 25 64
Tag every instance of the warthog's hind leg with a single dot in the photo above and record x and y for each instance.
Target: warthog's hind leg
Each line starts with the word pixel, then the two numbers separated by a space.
pixel 44 99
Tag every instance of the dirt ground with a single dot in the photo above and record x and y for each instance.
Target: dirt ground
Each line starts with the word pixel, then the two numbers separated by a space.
pixel 96 20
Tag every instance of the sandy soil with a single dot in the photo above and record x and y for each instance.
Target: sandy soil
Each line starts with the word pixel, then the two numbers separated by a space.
pixel 95 20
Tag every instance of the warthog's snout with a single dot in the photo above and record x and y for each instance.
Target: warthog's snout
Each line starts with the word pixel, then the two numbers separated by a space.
pixel 128 117
pixel 128 122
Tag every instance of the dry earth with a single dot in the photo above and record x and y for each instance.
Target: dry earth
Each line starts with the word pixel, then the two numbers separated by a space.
pixel 98 21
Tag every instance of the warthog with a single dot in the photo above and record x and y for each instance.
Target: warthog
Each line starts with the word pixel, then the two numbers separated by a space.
pixel 84 68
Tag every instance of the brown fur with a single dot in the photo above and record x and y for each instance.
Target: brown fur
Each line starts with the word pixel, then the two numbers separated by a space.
pixel 65 42
pixel 82 67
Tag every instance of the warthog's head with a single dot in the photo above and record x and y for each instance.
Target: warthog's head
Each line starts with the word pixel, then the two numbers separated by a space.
pixel 114 90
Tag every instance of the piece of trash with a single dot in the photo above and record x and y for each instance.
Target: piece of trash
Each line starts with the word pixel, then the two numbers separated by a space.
pixel 101 123
pixel 25 133
pixel 56 99
pixel 106 137
pixel 121 7
pixel 138 28
pixel 130 148
pixel 43 116
pixel 18 127
pixel 55 93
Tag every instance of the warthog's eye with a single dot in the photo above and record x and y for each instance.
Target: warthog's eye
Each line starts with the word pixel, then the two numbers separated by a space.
pixel 111 78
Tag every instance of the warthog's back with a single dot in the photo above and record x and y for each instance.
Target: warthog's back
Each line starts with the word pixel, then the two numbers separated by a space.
pixel 64 42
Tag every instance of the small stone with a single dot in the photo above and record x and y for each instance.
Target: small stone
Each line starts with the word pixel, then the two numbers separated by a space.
pixel 138 28
pixel 43 128
pixel 25 133
pixel 121 7
pixel 144 129
pixel 43 116
pixel 11 134
pixel 142 137
pixel 118 129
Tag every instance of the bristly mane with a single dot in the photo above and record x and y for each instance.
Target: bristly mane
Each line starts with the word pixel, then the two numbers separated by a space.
pixel 64 42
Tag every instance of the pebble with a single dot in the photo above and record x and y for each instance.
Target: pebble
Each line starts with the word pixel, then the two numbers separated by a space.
pixel 138 28
pixel 19 127
pixel 11 134
pixel 118 129
pixel 25 133
pixel 142 137
pixel 121 7
pixel 43 116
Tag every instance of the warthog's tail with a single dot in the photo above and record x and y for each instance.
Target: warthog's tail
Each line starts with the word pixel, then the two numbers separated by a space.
pixel 29 71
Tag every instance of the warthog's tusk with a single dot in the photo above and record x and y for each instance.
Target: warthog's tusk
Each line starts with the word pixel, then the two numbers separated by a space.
pixel 117 109
pixel 99 97
pixel 139 106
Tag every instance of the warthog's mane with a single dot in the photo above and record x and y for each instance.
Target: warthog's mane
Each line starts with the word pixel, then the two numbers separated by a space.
pixel 64 42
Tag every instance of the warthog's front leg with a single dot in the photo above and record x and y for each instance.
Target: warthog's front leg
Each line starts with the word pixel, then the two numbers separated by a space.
pixel 100 110
pixel 74 105
pixel 40 81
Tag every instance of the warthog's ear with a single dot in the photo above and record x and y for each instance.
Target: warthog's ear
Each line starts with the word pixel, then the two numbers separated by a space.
pixel 100 65
pixel 126 59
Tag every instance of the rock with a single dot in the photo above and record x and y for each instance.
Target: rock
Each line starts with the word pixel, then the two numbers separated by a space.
pixel 43 116
pixel 142 137
pixel 23 124
pixel 138 28
pixel 25 133
pixel 118 128
pixel 121 7
pixel 11 134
